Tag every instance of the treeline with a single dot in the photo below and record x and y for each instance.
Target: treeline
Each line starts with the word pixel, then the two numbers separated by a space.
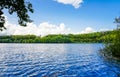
pixel 97 37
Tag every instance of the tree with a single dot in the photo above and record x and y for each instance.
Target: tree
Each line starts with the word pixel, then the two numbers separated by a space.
pixel 115 46
pixel 2 21
pixel 21 7
pixel 117 21
pixel 117 38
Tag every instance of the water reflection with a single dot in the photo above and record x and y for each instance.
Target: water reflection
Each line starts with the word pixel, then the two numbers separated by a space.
pixel 54 60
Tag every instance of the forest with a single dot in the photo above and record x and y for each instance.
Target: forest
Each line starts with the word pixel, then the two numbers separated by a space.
pixel 96 37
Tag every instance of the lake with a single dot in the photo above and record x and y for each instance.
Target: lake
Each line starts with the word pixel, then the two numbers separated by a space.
pixel 54 60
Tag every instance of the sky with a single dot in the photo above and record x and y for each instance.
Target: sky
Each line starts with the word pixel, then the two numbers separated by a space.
pixel 66 16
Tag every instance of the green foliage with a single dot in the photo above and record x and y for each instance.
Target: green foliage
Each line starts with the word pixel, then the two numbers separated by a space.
pixel 113 49
pixel 97 37
pixel 115 46
pixel 21 7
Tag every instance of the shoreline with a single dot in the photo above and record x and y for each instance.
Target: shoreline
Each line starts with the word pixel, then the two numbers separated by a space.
pixel 107 55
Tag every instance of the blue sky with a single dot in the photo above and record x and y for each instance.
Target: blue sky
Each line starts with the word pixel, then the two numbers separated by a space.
pixel 96 14
pixel 93 13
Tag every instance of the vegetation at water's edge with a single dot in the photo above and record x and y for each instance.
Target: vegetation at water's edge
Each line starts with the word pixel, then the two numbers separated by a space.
pixel 115 47
pixel 112 50
pixel 97 37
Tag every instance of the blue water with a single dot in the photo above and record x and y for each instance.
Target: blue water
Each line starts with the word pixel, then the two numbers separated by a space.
pixel 54 60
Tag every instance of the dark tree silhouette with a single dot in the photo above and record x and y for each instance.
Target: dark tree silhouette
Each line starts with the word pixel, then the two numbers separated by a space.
pixel 2 21
pixel 21 7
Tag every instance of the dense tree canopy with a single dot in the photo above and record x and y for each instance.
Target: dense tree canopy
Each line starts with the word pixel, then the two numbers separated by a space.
pixel 21 7
pixel 97 37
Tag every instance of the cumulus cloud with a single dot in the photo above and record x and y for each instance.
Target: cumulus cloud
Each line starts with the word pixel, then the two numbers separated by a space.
pixel 47 28
pixel 74 3
pixel 87 30
pixel 43 29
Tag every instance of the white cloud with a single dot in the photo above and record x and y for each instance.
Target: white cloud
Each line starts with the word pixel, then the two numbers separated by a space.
pixel 43 29
pixel 87 30
pixel 46 28
pixel 104 29
pixel 74 3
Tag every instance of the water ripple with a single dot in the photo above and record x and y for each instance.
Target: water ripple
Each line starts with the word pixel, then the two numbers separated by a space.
pixel 54 60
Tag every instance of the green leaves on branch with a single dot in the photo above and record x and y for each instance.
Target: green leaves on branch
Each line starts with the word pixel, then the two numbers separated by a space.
pixel 21 7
